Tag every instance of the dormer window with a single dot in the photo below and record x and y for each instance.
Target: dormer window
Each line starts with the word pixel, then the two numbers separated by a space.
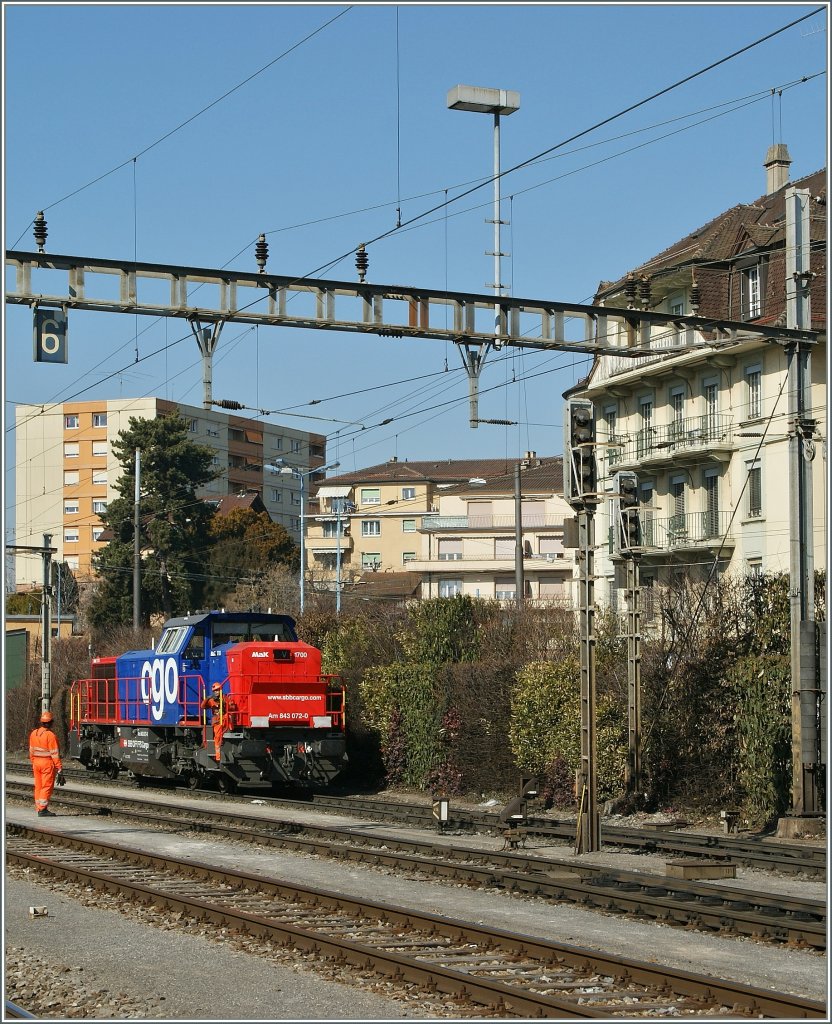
pixel 753 291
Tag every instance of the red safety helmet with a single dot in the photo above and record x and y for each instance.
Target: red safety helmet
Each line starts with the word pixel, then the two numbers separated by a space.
pixel 47 717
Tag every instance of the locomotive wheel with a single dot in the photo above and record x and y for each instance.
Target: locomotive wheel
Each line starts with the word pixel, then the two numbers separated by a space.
pixel 226 785
pixel 112 772
pixel 192 781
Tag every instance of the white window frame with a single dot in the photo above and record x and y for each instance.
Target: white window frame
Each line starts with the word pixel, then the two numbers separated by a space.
pixel 408 525
pixel 99 419
pixel 73 562
pixel 754 391
pixel 72 507
pixel 71 536
pixel 276 494
pixel 100 449
pixel 370 527
pixel 449 587
pixel 96 532
pixel 99 477
pixel 371 560
pixel 408 493
pixel 99 506
pixel 72 449
pixel 449 556
pixel 408 556
pixel 72 477
pixel 370 495
pixel 752 512
pixel 71 421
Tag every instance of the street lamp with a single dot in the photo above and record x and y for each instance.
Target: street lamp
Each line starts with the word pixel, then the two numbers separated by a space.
pixel 496 102
pixel 301 475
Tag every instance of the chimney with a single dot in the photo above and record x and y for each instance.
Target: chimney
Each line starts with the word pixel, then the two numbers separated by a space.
pixel 777 164
pixel 530 459
pixel 394 458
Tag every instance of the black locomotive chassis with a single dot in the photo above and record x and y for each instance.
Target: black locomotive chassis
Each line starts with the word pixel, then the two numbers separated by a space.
pixel 250 757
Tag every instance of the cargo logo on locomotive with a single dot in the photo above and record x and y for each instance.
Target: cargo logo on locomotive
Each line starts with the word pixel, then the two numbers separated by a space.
pixel 160 684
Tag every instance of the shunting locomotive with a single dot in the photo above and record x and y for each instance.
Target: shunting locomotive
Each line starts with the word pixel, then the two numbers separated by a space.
pixel 229 697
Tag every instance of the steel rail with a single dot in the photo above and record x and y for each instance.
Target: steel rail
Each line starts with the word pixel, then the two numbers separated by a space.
pixel 677 902
pixel 754 851
pixel 491 967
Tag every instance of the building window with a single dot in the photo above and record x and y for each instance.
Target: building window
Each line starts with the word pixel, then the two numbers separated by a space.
pixel 504 547
pixel 408 493
pixel 99 477
pixel 71 421
pixel 408 556
pixel 754 392
pixel 370 496
pixel 96 532
pixel 73 563
pixel 450 550
pixel 505 590
pixel 71 508
pixel 295 447
pixel 371 560
pixel 551 590
pixel 551 547
pixel 278 443
pixel 99 507
pixel 645 435
pixel 752 292
pixel 677 308
pixel 755 490
pixel 99 419
pixel 371 528
pixel 99 449
pixel 71 450
pixel 450 588
pixel 193 426
pixel 408 525
pixel 677 412
pixel 71 477
pixel 755 566
pixel 611 416
pixel 480 514
pixel 712 503
pixel 70 536
pixel 711 392
pixel 275 494
pixel 678 520
pixel 331 529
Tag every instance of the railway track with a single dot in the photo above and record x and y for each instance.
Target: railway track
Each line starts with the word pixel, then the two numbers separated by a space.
pixel 749 851
pixel 510 974
pixel 684 903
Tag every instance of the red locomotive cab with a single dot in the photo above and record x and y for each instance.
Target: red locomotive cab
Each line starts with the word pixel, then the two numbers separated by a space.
pixel 94 699
pixel 280 684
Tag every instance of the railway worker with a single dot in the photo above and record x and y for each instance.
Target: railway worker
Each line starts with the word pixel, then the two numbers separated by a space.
pixel 222 713
pixel 46 763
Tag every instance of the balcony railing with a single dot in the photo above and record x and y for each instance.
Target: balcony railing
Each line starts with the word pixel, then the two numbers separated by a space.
pixel 694 434
pixel 532 520
pixel 691 529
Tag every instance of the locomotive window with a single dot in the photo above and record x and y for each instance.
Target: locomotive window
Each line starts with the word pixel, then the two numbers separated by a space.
pixel 171 640
pixel 196 646
pixel 268 632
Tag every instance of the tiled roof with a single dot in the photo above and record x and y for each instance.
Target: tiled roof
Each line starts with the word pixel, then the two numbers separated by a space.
pixel 434 471
pixel 762 223
pixel 541 476
pixel 228 502
pixel 389 586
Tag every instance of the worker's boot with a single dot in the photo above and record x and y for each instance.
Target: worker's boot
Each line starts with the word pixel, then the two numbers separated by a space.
pixel 46 813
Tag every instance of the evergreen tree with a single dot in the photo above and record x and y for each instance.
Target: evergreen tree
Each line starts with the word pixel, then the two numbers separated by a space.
pixel 173 524
pixel 245 546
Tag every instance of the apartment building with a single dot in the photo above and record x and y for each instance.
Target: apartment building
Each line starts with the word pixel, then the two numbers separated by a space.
pixel 66 471
pixel 450 524
pixel 706 430
pixel 469 546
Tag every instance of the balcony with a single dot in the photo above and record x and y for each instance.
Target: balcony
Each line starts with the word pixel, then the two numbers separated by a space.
pixel 679 441
pixel 532 563
pixel 328 545
pixel 456 524
pixel 691 531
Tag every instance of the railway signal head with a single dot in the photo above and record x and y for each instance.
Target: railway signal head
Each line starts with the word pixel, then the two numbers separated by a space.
pixel 579 471
pixel 628 518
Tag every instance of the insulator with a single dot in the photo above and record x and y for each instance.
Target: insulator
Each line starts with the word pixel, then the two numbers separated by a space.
pixel 644 292
pixel 261 253
pixel 695 298
pixel 40 230
pixel 630 289
pixel 228 403
pixel 362 262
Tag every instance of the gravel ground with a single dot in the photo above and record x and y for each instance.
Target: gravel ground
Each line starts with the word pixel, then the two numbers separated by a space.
pixel 132 968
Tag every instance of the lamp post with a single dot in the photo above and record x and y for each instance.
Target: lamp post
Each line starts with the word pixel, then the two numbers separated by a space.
pixel 496 102
pixel 301 475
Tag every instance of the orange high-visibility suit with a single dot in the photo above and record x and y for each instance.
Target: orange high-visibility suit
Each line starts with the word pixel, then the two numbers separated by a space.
pixel 46 763
pixel 222 717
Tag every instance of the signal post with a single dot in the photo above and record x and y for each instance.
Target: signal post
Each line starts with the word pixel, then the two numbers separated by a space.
pixel 580 490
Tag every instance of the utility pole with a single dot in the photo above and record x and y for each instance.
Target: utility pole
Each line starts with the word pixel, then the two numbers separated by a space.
pixel 137 548
pixel 633 776
pixel 46 625
pixel 519 579
pixel 805 748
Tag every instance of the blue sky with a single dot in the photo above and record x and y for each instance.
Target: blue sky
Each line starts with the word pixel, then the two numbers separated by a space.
pixel 343 128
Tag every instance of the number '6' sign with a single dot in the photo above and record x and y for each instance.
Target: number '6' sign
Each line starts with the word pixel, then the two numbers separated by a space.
pixel 50 336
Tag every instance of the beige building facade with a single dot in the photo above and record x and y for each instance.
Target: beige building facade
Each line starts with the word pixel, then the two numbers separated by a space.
pixel 66 470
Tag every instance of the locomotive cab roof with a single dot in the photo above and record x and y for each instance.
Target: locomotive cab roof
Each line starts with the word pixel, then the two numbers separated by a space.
pixel 233 617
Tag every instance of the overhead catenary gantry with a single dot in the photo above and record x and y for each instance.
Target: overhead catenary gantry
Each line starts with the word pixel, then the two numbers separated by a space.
pixel 208 299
